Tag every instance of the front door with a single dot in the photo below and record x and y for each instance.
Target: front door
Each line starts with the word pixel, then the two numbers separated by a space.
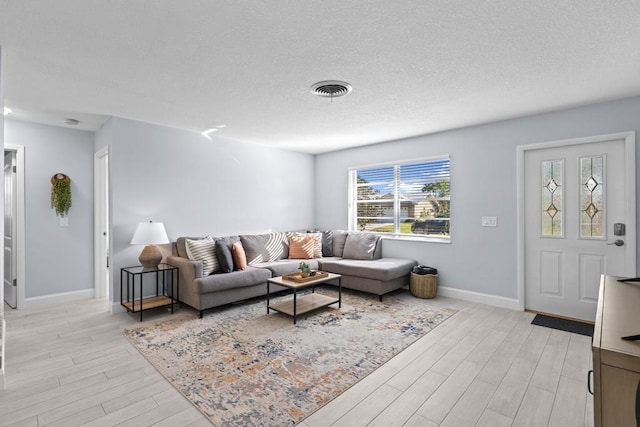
pixel 575 225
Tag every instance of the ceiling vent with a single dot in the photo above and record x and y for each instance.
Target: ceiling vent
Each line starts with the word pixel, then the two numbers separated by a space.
pixel 331 89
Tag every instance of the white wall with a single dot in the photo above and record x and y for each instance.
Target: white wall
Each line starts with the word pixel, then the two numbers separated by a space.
pixel 104 136
pixel 483 183
pixel 58 259
pixel 197 186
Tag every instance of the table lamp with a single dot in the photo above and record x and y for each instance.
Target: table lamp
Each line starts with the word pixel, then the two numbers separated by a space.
pixel 150 234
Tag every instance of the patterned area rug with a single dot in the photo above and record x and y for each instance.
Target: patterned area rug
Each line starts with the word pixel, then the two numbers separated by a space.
pixel 240 366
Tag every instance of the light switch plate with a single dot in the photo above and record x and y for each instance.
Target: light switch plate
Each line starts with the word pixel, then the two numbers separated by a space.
pixel 64 221
pixel 489 221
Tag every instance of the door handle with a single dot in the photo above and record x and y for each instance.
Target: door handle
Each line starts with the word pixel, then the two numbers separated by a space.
pixel 618 242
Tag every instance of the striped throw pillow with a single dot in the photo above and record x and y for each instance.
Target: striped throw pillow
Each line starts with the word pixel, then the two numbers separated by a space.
pixel 278 246
pixel 317 244
pixel 203 250
pixel 255 249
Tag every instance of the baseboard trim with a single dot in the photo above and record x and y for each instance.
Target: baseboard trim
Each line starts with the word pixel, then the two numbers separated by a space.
pixel 116 307
pixel 494 300
pixel 3 334
pixel 57 299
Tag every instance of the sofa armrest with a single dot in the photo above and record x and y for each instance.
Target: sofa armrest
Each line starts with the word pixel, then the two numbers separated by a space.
pixel 189 269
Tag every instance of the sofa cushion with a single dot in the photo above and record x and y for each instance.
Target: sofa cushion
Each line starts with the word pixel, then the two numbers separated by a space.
pixel 236 279
pixel 339 238
pixel 255 247
pixel 223 252
pixel 203 250
pixel 383 269
pixel 286 266
pixel 239 256
pixel 360 246
pixel 277 246
pixel 301 246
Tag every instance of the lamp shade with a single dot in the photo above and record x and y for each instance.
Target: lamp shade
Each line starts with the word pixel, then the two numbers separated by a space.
pixel 150 233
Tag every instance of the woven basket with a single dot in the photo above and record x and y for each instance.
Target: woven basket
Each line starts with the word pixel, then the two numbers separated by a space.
pixel 424 285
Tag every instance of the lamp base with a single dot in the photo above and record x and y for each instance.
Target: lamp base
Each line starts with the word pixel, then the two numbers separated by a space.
pixel 150 256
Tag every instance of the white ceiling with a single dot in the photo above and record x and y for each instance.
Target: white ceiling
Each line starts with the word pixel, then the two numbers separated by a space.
pixel 416 67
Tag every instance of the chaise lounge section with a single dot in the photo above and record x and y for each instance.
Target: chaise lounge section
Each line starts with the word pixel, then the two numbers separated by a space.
pixel 378 277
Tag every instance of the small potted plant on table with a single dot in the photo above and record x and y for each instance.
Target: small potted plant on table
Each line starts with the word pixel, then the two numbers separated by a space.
pixel 304 268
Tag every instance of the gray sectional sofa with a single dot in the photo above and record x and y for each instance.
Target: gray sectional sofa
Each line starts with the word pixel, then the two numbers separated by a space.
pixel 356 256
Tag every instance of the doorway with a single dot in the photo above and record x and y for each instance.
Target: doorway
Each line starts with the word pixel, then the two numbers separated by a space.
pixel 10 264
pixel 101 223
pixel 577 221
pixel 14 226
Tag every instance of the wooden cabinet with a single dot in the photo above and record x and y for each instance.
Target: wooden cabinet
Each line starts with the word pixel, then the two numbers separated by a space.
pixel 616 362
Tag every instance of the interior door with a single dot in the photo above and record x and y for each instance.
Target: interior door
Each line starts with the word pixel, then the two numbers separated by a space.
pixel 10 218
pixel 101 221
pixel 574 195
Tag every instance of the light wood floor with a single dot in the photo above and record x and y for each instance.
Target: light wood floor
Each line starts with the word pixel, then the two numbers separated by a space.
pixel 484 366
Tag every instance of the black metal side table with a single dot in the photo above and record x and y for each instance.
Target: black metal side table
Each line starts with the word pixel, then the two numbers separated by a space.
pixel 164 296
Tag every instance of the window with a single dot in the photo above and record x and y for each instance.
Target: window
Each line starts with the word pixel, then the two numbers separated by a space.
pixel 552 198
pixel 402 199
pixel 592 194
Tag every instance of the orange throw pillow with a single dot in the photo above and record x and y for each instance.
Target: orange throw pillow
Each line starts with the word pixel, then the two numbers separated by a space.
pixel 301 247
pixel 239 256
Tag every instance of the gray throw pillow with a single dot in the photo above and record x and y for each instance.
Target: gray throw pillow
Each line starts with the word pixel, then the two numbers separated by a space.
pixel 255 246
pixel 327 243
pixel 224 254
pixel 339 238
pixel 360 246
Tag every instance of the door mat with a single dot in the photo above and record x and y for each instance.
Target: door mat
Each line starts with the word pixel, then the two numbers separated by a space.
pixel 563 324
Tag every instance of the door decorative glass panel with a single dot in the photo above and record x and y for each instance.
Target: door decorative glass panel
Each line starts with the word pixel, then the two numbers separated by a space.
pixel 552 209
pixel 592 194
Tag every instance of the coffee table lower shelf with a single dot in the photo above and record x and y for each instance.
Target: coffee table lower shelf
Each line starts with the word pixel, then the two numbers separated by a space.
pixel 304 304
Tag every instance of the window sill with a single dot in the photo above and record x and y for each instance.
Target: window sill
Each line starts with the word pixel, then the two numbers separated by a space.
pixel 416 238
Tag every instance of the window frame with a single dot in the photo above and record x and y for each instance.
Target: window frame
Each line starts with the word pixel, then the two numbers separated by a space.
pixel 352 191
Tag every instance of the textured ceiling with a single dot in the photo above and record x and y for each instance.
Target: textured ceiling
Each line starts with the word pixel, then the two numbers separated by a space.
pixel 416 67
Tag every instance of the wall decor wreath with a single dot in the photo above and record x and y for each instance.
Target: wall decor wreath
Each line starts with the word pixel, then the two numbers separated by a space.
pixel 61 194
